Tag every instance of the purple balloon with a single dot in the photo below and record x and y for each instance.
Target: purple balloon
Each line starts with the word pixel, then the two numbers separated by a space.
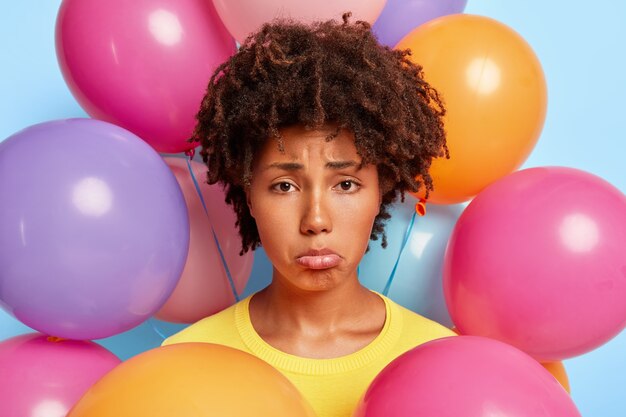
pixel 94 230
pixel 399 17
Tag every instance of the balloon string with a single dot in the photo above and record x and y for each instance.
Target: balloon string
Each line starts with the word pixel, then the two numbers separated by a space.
pixel 395 266
pixel 156 329
pixel 217 243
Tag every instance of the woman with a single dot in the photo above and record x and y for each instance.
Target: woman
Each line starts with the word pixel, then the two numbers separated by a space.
pixel 314 131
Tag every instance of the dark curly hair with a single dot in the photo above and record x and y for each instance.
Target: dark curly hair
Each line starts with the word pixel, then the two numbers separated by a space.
pixel 329 72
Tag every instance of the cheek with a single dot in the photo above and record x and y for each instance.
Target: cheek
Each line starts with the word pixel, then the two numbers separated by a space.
pixel 272 220
pixel 358 214
pixel 270 227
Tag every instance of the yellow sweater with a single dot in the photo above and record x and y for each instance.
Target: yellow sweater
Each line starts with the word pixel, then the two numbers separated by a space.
pixel 332 386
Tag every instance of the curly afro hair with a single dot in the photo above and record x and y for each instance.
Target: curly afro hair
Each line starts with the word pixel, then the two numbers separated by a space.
pixel 329 72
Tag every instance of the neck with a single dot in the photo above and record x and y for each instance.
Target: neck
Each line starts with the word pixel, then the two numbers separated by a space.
pixel 291 309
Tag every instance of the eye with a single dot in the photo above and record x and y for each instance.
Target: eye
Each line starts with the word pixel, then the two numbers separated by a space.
pixel 348 186
pixel 283 187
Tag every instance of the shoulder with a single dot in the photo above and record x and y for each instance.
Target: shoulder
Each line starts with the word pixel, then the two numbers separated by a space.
pixel 219 328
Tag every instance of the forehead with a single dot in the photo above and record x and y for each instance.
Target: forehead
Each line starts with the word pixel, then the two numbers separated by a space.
pixel 299 143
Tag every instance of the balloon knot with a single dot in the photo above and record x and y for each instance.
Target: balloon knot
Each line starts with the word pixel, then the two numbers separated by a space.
pixel 420 207
pixel 54 339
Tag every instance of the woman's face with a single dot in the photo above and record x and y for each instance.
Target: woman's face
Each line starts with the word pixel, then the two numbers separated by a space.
pixel 314 207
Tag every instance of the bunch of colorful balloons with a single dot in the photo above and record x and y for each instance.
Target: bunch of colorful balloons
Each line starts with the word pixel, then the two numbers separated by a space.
pixel 536 259
pixel 100 232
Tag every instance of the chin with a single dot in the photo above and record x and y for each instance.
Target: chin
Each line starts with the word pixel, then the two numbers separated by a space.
pixel 315 280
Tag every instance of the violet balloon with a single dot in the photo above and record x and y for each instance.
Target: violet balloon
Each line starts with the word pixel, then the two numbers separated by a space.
pixel 538 260
pixel 142 64
pixel 42 376
pixel 465 376
pixel 93 229
pixel 399 17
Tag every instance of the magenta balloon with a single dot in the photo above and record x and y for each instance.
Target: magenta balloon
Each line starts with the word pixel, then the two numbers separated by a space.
pixel 538 260
pixel 399 17
pixel 465 376
pixel 142 64
pixel 93 229
pixel 43 377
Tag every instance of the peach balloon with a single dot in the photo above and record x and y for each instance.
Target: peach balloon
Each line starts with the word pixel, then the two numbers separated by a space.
pixel 193 379
pixel 204 287
pixel 242 17
pixel 495 94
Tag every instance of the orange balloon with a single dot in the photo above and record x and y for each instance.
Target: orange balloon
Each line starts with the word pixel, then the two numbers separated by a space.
pixel 494 91
pixel 193 380
pixel 558 371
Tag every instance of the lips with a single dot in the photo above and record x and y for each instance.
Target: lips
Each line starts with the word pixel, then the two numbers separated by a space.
pixel 318 259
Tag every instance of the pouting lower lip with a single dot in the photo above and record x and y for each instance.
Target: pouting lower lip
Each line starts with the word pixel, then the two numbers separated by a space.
pixel 319 261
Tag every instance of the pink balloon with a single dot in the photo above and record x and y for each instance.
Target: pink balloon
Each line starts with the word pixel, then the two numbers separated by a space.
pixel 243 17
pixel 465 376
pixel 204 288
pixel 538 260
pixel 143 64
pixel 44 376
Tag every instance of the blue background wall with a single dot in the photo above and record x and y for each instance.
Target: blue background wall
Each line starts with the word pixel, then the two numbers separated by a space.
pixel 580 45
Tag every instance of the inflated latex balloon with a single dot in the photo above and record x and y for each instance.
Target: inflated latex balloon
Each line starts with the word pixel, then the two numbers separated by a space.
pixel 45 376
pixel 557 369
pixel 399 17
pixel 495 94
pixel 93 229
pixel 538 260
pixel 243 17
pixel 415 283
pixel 193 379
pixel 204 287
pixel 465 376
pixel 142 64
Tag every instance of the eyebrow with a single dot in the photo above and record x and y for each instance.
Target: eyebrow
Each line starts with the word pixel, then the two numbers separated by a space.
pixel 294 166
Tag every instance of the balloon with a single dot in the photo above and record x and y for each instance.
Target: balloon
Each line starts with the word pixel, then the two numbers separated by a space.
pixel 465 376
pixel 193 379
pixel 558 371
pixel 44 376
pixel 555 368
pixel 538 260
pixel 93 229
pixel 495 95
pixel 143 64
pixel 417 283
pixel 204 287
pixel 243 17
pixel 399 17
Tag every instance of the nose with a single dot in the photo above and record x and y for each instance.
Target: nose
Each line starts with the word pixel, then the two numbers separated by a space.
pixel 316 217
